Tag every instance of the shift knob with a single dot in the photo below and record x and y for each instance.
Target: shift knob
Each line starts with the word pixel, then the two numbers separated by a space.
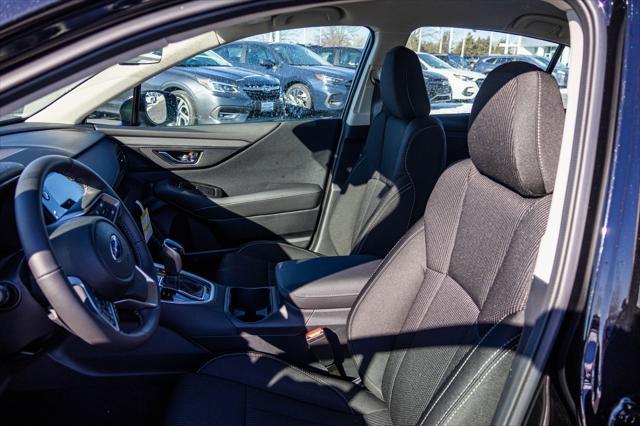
pixel 172 257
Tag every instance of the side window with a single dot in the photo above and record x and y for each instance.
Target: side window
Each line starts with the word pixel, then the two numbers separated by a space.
pixel 350 59
pixel 110 113
pixel 328 55
pixel 466 56
pixel 268 77
pixel 232 53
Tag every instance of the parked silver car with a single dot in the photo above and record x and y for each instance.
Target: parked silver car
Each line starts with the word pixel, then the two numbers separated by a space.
pixel 210 90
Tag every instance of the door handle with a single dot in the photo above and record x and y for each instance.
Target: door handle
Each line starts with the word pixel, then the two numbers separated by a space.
pixel 180 157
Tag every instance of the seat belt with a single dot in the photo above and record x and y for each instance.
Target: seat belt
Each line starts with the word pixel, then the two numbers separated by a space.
pixel 324 345
pixel 376 100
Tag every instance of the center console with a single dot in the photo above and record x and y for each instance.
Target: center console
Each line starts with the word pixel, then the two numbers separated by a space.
pixel 310 293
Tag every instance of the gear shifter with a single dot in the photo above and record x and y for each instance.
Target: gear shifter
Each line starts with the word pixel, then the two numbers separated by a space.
pixel 172 258
pixel 174 278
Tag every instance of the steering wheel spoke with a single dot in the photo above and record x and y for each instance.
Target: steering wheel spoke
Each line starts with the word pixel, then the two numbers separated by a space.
pixel 105 309
pixel 143 293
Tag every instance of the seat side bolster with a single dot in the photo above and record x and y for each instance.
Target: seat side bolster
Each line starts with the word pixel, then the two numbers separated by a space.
pixel 481 371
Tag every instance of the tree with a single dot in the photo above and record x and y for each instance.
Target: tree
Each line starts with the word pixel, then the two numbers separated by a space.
pixel 340 36
pixel 430 41
pixel 473 46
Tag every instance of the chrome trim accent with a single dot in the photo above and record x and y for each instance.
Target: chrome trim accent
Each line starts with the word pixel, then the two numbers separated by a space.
pixel 193 300
pixel 139 304
pixel 166 155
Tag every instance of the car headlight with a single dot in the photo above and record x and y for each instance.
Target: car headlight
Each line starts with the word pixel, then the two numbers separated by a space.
pixel 216 86
pixel 331 81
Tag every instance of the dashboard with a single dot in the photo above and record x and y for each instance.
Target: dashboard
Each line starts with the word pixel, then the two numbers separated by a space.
pixel 21 144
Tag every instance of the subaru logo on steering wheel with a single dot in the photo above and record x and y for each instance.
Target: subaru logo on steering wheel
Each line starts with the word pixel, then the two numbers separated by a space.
pixel 116 247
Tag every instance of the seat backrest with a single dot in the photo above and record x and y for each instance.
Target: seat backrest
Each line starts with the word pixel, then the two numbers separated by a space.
pixel 435 330
pixel 403 157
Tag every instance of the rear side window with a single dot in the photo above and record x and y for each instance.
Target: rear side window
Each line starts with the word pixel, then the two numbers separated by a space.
pixel 455 62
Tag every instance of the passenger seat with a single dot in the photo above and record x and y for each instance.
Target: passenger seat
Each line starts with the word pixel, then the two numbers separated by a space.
pixel 385 193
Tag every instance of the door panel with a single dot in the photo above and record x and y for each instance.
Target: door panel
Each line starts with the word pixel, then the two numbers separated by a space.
pixel 252 180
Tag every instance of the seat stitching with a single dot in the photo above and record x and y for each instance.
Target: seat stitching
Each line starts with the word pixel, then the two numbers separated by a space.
pixel 484 376
pixel 395 250
pixel 286 364
pixel 461 366
pixel 451 237
pixel 523 215
pixel 487 362
pixel 402 329
pixel 538 130
pixel 384 265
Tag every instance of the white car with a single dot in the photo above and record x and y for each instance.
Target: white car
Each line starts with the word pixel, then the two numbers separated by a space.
pixel 464 83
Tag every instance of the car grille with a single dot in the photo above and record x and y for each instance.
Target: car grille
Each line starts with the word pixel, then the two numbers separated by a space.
pixel 262 92
pixel 438 90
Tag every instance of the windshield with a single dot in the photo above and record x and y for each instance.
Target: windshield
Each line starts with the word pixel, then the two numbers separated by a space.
pixel 206 59
pixel 39 104
pixel 433 62
pixel 295 54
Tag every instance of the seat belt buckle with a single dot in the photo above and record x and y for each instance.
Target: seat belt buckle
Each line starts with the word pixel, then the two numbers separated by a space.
pixel 322 349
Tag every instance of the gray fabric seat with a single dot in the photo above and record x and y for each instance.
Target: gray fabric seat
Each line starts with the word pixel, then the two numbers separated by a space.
pixel 436 328
pixel 386 191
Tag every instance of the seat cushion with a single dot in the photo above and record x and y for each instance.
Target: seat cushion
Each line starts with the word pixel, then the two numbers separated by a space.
pixel 260 389
pixel 253 265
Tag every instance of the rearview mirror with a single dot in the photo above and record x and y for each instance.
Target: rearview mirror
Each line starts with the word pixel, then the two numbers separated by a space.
pixel 156 108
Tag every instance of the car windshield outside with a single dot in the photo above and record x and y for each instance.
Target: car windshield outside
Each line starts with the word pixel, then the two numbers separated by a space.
pixel 206 59
pixel 433 62
pixel 298 55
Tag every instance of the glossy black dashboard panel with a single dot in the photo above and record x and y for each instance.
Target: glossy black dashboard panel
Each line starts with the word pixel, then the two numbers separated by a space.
pixel 24 143
pixel 60 194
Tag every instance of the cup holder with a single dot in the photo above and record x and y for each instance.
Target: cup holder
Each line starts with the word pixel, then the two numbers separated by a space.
pixel 250 304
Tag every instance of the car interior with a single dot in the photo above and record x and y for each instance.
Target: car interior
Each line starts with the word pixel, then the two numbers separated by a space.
pixel 392 265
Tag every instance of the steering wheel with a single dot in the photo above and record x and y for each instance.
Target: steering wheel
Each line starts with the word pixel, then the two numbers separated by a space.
pixel 93 270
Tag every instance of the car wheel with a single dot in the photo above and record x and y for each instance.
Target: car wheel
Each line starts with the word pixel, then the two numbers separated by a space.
pixel 299 95
pixel 186 114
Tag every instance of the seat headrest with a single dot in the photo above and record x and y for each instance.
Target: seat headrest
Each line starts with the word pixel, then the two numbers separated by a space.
pixel 515 128
pixel 402 87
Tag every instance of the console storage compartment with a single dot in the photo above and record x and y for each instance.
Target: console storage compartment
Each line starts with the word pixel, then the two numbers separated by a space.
pixel 250 304
pixel 331 282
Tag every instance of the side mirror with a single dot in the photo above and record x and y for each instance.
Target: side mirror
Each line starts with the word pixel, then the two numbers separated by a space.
pixel 156 108
pixel 268 63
